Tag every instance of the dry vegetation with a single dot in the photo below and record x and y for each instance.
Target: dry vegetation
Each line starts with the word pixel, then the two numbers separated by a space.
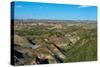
pixel 43 43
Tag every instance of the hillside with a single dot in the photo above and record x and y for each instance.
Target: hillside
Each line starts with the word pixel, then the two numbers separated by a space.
pixel 45 43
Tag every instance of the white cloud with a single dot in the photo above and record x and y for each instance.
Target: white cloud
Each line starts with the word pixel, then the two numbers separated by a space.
pixel 83 6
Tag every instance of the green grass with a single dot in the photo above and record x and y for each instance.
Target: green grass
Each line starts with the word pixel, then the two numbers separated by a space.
pixel 86 52
pixel 83 53
pixel 75 53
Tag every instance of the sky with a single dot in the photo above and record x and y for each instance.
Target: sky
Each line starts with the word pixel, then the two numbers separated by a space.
pixel 36 10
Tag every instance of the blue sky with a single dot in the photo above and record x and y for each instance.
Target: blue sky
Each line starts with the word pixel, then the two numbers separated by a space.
pixel 34 10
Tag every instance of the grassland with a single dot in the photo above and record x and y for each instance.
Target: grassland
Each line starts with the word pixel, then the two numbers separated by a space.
pixel 58 42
